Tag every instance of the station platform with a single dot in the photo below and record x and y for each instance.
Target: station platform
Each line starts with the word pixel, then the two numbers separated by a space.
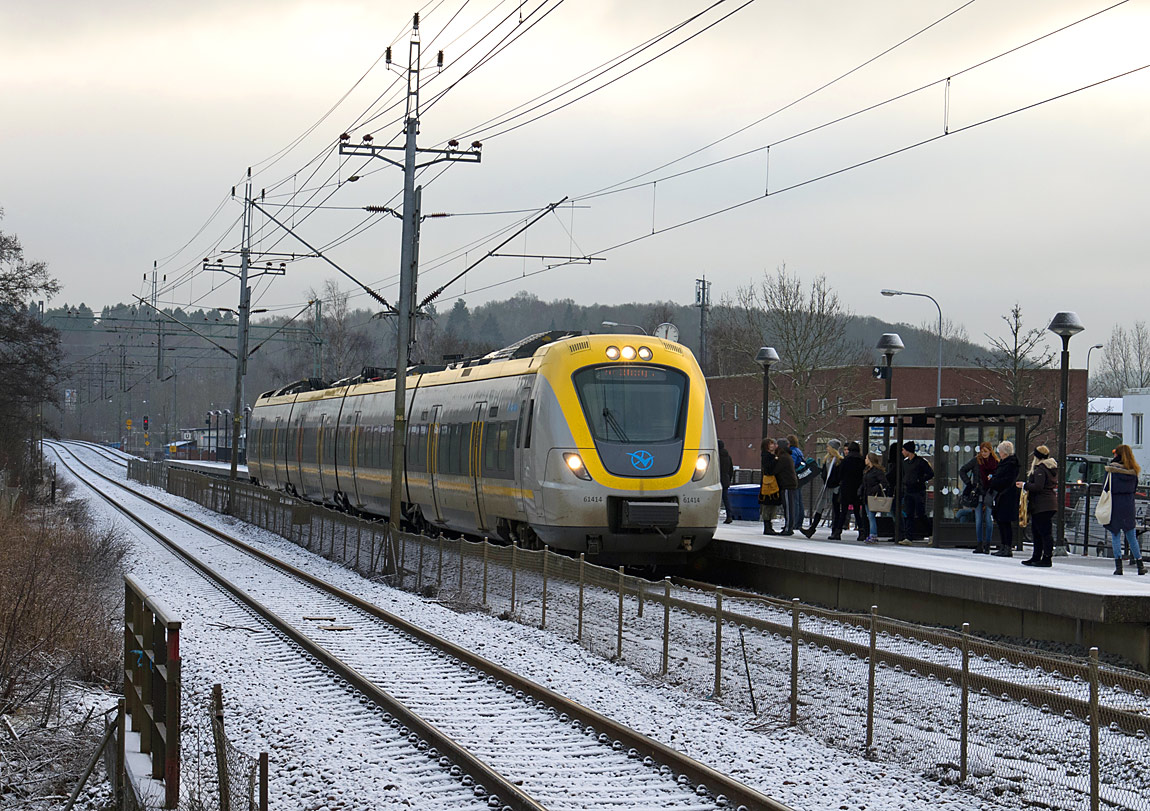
pixel 208 467
pixel 1078 600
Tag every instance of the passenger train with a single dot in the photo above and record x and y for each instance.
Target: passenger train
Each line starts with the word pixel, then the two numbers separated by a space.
pixel 603 444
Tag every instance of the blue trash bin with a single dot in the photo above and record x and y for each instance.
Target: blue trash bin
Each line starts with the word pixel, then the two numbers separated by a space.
pixel 744 500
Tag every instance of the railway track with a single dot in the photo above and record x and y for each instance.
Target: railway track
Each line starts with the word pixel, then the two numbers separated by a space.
pixel 507 739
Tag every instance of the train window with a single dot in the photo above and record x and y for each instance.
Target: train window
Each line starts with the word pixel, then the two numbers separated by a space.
pixel 530 421
pixel 624 403
pixel 493 411
pixel 504 455
pixel 490 446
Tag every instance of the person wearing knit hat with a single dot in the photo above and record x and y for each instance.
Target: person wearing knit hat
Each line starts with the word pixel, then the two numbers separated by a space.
pixel 916 472
pixel 1040 497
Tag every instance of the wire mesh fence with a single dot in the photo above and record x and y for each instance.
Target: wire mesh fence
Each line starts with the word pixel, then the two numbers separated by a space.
pixel 1004 721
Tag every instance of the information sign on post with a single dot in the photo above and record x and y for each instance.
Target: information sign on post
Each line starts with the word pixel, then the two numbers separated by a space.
pixel 128 423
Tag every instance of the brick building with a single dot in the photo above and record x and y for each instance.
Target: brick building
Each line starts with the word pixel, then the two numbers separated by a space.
pixel 737 401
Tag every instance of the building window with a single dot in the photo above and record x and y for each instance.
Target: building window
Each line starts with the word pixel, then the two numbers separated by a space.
pixel 735 407
pixel 1137 430
pixel 723 412
pixel 839 406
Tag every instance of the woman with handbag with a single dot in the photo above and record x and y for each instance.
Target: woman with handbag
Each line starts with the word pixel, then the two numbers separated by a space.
pixel 976 474
pixel 875 489
pixel 1003 483
pixel 770 495
pixel 1122 478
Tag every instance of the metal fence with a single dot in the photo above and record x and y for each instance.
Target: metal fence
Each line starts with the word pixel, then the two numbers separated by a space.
pixel 1048 730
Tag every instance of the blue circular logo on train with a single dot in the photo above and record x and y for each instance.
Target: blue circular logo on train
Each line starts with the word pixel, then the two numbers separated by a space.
pixel 641 460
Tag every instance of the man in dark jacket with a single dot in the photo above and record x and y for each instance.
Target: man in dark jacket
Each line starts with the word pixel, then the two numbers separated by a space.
pixel 916 472
pixel 1006 493
pixel 789 484
pixel 850 498
pixel 726 476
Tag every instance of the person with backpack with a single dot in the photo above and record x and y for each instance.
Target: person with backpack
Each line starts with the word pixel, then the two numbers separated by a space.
pixel 769 497
pixel 800 465
pixel 975 475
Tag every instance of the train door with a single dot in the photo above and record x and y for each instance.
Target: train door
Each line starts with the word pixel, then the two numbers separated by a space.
pixel 477 425
pixel 355 441
pixel 524 424
pixel 321 439
pixel 272 455
pixel 298 455
pixel 433 460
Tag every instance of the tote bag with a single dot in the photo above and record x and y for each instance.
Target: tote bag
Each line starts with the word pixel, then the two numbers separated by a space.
pixel 880 504
pixel 1104 507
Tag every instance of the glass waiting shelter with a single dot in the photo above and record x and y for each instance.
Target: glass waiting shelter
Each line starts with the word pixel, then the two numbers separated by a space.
pixel 957 431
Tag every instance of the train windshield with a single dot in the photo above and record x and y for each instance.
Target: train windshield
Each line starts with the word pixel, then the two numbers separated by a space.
pixel 625 403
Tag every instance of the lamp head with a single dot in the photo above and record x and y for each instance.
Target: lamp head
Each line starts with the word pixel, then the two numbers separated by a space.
pixel 610 324
pixel 1066 325
pixel 890 343
pixel 1098 346
pixel 767 357
pixel 889 292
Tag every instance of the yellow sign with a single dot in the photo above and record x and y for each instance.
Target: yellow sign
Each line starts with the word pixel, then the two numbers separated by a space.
pixel 172 449
pixel 128 423
pixel 146 443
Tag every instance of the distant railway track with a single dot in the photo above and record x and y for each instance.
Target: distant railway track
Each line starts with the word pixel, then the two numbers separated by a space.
pixel 511 741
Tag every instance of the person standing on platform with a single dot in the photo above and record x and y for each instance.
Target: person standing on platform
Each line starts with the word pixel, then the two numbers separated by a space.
pixel 1003 483
pixel 769 466
pixel 789 486
pixel 831 473
pixel 800 463
pixel 976 473
pixel 726 476
pixel 916 472
pixel 1123 473
pixel 1041 488
pixel 874 484
pixel 850 498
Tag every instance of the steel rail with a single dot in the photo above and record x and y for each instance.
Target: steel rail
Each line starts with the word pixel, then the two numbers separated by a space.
pixel 509 794
pixel 698 773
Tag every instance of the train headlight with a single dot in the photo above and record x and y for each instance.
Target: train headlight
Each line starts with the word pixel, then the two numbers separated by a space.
pixel 644 353
pixel 575 465
pixel 612 353
pixel 628 353
pixel 701 465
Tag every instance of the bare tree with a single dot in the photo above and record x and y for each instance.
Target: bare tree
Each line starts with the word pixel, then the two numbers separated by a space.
pixel 1125 360
pixel 807 325
pixel 1014 360
pixel 954 340
pixel 346 345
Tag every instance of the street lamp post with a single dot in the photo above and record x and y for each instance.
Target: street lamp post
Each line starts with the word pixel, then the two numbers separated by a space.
pixel 766 358
pixel 1086 430
pixel 889 344
pixel 888 292
pixel 1065 325
pixel 617 324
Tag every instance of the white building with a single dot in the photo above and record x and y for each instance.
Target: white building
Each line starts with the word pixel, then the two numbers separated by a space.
pixel 1135 407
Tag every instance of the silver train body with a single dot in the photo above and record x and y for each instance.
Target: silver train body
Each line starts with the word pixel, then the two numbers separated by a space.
pixel 603 444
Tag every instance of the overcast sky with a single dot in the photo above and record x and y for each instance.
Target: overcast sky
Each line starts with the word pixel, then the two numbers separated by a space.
pixel 125 124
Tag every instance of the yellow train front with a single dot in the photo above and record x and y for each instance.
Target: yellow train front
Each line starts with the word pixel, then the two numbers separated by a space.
pixel 603 444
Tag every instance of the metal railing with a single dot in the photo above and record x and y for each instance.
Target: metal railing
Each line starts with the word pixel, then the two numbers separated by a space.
pixel 1061 731
pixel 152 683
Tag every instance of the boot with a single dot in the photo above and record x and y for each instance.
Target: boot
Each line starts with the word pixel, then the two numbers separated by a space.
pixel 1003 552
pixel 1141 566
pixel 1117 565
pixel 981 549
pixel 769 530
pixel 1032 562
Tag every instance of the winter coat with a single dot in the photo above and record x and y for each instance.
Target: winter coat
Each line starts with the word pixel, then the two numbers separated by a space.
pixel 1042 487
pixel 1006 494
pixel 1122 484
pixel 916 472
pixel 831 473
pixel 785 472
pixel 874 483
pixel 726 468
pixel 984 468
pixel 769 464
pixel 851 477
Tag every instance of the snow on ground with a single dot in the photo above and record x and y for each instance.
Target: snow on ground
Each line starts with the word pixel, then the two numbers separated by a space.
pixel 266 703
